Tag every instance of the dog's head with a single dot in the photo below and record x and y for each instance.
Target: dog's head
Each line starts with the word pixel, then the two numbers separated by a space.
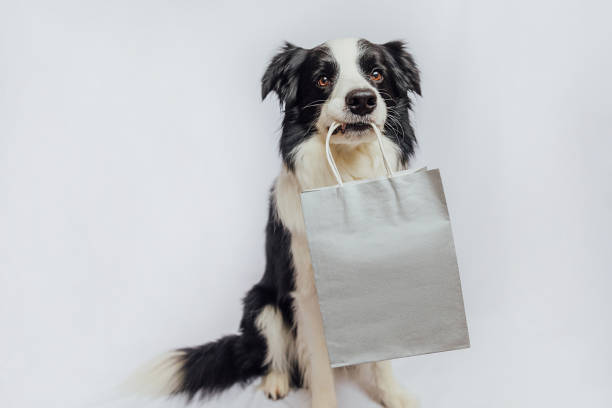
pixel 353 82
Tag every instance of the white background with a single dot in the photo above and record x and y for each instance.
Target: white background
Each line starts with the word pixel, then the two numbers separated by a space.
pixel 136 157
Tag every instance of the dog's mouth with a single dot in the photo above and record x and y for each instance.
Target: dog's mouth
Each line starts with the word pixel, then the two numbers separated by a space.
pixel 352 127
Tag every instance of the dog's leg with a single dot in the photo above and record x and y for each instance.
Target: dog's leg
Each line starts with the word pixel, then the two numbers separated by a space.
pixel 312 350
pixel 310 341
pixel 379 383
pixel 279 341
pixel 318 372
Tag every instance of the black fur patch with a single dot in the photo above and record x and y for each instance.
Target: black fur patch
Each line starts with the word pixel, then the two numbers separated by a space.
pixel 216 366
pixel 292 75
pixel 401 78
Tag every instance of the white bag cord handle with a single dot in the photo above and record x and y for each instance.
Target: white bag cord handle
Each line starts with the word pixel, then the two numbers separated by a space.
pixel 330 158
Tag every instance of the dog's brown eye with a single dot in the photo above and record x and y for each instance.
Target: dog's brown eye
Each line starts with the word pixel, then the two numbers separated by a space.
pixel 376 76
pixel 323 81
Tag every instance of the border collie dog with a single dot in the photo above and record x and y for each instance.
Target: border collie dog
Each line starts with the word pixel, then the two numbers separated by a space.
pixel 355 83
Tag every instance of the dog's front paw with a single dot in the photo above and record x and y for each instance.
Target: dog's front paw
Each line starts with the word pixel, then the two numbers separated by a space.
pixel 275 385
pixel 399 399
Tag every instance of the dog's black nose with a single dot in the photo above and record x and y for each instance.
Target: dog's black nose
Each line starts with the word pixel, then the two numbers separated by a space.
pixel 361 101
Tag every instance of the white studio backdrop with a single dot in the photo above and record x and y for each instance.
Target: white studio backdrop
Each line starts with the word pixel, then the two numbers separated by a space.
pixel 136 157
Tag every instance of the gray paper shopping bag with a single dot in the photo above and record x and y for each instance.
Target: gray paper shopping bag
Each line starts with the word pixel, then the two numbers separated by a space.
pixel 385 266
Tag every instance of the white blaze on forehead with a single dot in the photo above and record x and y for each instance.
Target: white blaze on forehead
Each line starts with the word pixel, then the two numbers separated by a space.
pixel 346 53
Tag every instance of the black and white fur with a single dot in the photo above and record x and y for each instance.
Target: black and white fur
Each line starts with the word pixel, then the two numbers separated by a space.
pixel 281 334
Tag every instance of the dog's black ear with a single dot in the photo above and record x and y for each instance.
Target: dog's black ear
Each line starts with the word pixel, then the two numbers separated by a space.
pixel 403 66
pixel 282 74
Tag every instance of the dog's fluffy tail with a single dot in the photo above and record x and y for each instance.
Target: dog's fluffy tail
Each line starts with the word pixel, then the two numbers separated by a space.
pixel 204 370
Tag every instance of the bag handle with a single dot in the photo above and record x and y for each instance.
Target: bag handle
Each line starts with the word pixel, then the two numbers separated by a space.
pixel 330 158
